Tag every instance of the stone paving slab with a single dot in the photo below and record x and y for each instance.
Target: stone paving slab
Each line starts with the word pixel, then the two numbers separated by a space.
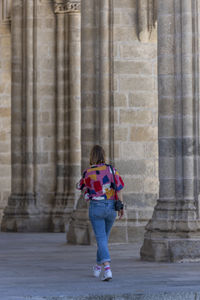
pixel 42 266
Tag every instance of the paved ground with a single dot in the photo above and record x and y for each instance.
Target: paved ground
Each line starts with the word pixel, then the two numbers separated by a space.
pixel 42 266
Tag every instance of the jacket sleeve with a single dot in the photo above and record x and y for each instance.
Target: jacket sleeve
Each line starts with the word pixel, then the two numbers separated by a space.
pixel 81 184
pixel 118 180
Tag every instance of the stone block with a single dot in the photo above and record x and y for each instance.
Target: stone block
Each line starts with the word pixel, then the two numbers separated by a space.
pixel 132 215
pixel 47 64
pixel 118 234
pixel 132 150
pixel 4 29
pixel 167 188
pixel 154 250
pixel 167 147
pixel 5 112
pixel 5 158
pixel 5 171
pixel 142 99
pixel 125 4
pixel 142 134
pixel 167 167
pixel 138 50
pixel 135 117
pixel 116 84
pixel 150 168
pixel 187 81
pixel 45 90
pixel 5 184
pixel 3 136
pixel 140 201
pixel 129 18
pixel 5 44
pixel 151 149
pixel 135 233
pixel 137 84
pixel 5 123
pixel 151 185
pixel 46 130
pixel 120 100
pixel 45 10
pixel 49 23
pixel 167 46
pixel 116 151
pixel 166 127
pixel 44 117
pixel 166 7
pixel 166 106
pixel 184 250
pixel 131 167
pixel 46 172
pixel 133 185
pixel 117 18
pixel 124 34
pixel 166 86
pixel 49 76
pixel 5 147
pixel 116 117
pixel 133 67
pixel 120 134
pixel 166 64
pixel 75 156
pixel 145 215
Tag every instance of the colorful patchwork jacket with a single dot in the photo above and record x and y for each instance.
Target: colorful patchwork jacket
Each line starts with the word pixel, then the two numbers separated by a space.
pixel 98 184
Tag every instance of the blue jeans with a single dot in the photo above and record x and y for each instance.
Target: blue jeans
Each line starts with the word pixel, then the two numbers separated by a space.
pixel 102 215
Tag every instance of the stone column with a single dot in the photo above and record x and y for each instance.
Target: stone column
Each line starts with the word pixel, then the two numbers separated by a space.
pixel 67 110
pixel 147 17
pixel 173 233
pixel 22 213
pixel 97 77
pixel 74 111
pixel 96 99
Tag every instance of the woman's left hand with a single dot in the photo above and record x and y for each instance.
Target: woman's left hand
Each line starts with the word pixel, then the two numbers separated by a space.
pixel 120 213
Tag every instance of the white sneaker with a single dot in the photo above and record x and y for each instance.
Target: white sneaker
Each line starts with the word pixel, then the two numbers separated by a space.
pixel 107 275
pixel 96 271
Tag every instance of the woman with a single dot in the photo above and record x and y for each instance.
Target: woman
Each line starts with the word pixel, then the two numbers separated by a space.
pixel 99 187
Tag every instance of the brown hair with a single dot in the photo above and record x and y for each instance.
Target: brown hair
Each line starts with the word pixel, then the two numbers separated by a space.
pixel 97 155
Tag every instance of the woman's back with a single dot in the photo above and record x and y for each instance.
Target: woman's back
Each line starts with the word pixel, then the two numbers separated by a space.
pixel 98 182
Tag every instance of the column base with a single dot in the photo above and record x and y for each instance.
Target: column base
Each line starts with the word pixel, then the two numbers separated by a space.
pixel 171 249
pixel 173 233
pixel 61 213
pixel 80 230
pixel 22 215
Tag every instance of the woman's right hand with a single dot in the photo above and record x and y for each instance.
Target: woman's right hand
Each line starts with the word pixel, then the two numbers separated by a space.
pixel 120 213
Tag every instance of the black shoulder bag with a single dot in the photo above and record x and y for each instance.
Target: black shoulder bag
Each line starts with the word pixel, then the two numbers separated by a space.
pixel 118 203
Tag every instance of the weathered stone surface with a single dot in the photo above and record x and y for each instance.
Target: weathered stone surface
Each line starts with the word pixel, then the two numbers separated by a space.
pixel 5 113
pixel 118 109
pixel 172 234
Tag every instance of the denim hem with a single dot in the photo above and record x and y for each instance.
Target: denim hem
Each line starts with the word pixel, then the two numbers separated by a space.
pixel 103 261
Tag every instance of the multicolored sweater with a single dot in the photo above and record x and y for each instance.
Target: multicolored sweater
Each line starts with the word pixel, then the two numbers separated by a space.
pixel 98 184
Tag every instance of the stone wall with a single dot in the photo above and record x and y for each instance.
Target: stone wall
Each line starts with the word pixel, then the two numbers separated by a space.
pixel 135 118
pixel 5 110
pixel 53 131
pixel 119 110
pixel 33 117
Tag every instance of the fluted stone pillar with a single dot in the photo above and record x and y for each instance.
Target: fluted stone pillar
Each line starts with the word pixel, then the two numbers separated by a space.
pixel 68 126
pixel 74 106
pixel 173 233
pixel 96 99
pixel 22 213
pixel 147 17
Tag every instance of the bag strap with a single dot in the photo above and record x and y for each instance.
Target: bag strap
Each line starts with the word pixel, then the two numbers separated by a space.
pixel 115 186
